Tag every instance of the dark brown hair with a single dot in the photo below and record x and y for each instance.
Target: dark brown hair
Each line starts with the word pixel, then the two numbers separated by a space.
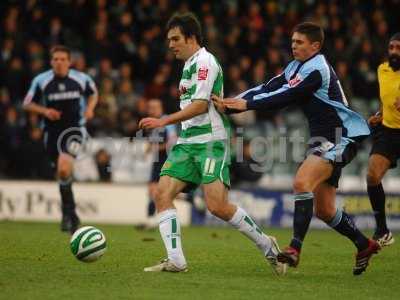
pixel 312 31
pixel 60 48
pixel 188 24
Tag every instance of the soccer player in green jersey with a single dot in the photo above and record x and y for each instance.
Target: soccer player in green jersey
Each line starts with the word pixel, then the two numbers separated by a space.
pixel 201 154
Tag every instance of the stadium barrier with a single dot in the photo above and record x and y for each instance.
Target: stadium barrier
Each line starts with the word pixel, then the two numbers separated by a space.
pixel 275 208
pixel 127 204
pixel 96 203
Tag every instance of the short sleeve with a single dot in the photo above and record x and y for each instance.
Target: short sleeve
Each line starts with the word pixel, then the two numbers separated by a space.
pixel 380 70
pixel 34 93
pixel 206 74
pixel 90 87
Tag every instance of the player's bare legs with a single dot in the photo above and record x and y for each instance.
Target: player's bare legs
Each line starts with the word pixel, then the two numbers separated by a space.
pixel 324 201
pixel 170 230
pixel 64 166
pixel 342 223
pixel 70 220
pixel 168 188
pixel 312 176
pixel 153 190
pixel 311 173
pixel 377 168
pixel 216 198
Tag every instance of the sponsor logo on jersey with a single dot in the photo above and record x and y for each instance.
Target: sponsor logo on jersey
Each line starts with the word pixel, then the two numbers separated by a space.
pixel 202 74
pixel 64 95
pixel 295 81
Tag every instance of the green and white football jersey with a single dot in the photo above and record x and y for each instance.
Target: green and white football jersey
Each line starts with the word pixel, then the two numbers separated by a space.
pixel 202 76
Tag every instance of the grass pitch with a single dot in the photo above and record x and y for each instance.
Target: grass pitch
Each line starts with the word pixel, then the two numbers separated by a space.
pixel 36 263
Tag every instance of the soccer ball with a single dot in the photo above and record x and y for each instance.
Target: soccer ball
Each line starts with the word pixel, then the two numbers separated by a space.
pixel 88 244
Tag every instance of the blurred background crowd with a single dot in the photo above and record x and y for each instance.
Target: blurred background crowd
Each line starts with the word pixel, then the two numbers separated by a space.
pixel 121 44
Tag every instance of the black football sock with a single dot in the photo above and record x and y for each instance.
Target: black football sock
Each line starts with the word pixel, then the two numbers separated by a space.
pixel 343 224
pixel 303 212
pixel 377 198
pixel 151 208
pixel 67 197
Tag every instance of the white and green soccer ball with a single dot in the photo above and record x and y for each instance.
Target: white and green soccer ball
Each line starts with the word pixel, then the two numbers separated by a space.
pixel 88 244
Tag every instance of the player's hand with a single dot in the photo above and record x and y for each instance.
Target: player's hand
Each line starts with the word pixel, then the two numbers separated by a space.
pixel 236 104
pixel 219 104
pixel 375 120
pixel 397 103
pixel 89 114
pixel 52 114
pixel 151 123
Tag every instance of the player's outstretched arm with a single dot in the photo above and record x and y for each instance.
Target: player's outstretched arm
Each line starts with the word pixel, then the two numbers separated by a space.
pixel 229 105
pixel 377 118
pixel 48 113
pixel 197 107
pixel 32 100
pixel 239 103
pixel 287 95
pixel 218 103
pixel 91 105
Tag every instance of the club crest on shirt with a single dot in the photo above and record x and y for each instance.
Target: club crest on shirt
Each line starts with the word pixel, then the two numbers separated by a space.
pixel 295 81
pixel 202 74
pixel 61 87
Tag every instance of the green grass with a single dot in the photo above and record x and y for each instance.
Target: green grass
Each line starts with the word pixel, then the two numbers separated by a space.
pixel 36 263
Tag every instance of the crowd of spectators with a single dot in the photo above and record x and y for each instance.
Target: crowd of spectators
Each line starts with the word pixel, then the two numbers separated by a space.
pixel 121 44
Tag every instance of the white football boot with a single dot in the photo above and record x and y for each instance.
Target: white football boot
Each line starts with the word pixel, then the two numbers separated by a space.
pixel 166 266
pixel 384 240
pixel 272 257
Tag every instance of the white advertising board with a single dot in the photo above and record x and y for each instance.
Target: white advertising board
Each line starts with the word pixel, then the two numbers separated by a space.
pixel 99 203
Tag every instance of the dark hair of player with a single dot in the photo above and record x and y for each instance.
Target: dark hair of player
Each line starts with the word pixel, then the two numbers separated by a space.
pixel 395 37
pixel 188 24
pixel 312 31
pixel 60 48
